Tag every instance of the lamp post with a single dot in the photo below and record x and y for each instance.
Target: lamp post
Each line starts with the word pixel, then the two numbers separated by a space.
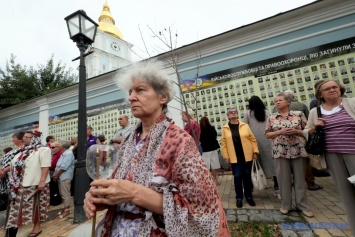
pixel 82 31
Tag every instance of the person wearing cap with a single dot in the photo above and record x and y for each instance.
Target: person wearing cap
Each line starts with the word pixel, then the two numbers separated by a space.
pixel 91 139
pixel 122 133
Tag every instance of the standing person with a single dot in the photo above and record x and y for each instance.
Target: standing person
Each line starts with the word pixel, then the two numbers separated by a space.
pixel 74 146
pixel 285 128
pixel 210 146
pixel 55 198
pixel 298 106
pixel 295 105
pixel 102 139
pixel 338 121
pixel 256 118
pixel 29 180
pixel 91 139
pixel 192 127
pixel 64 172
pixel 6 160
pixel 315 102
pixel 122 133
pixel 239 147
pixel 56 153
pixel 162 186
pixel 49 140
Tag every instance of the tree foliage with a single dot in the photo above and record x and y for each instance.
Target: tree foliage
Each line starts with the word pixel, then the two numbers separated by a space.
pixel 19 83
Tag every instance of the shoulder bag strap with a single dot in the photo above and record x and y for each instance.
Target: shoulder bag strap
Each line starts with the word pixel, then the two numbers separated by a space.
pixel 318 112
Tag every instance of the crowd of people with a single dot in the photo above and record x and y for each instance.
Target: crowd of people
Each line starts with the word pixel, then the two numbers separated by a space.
pixel 177 167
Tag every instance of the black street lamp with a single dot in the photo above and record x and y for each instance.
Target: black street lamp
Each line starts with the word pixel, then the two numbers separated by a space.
pixel 82 31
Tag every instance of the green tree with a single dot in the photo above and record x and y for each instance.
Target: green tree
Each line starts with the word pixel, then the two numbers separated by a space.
pixel 54 77
pixel 20 83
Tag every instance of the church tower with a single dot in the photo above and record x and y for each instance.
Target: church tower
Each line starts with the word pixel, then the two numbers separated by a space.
pixel 110 50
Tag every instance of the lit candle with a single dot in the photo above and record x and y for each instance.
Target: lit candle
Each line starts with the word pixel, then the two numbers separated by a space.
pixel 98 164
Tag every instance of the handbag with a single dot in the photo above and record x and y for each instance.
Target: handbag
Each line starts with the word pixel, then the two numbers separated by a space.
pixel 54 198
pixel 316 162
pixel 315 143
pixel 257 176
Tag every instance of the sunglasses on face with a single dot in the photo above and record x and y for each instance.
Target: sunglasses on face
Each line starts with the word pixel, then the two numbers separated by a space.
pixel 52 147
pixel 232 112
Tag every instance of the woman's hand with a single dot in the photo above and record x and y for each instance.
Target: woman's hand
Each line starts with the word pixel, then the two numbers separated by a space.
pixel 55 177
pixel 90 208
pixel 255 156
pixel 319 122
pixel 112 192
pixel 292 131
pixel 2 173
pixel 41 185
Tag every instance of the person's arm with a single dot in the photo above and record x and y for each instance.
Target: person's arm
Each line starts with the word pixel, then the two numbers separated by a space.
pixel 224 149
pixel 272 135
pixel 42 181
pixel 254 143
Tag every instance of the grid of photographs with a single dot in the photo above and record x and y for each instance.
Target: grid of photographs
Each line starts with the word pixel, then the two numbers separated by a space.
pixel 103 124
pixel 214 101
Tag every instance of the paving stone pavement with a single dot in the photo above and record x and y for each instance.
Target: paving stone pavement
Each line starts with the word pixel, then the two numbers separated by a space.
pixel 325 204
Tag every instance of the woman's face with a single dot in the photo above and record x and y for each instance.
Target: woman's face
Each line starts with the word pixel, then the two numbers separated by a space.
pixel 184 117
pixel 281 102
pixel 145 102
pixel 16 141
pixel 27 138
pixel 330 90
pixel 232 114
pixel 54 148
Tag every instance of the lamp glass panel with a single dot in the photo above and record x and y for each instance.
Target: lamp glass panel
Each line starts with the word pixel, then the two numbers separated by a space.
pixel 88 28
pixel 73 24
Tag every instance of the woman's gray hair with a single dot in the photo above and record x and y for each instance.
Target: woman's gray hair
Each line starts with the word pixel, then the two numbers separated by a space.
pixel 232 108
pixel 287 97
pixel 190 113
pixel 65 144
pixel 152 72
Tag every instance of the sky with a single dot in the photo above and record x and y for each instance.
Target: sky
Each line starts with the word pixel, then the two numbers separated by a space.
pixel 35 30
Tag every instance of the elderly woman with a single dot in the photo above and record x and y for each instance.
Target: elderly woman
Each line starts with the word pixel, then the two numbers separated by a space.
pixel 63 173
pixel 29 185
pixel 338 121
pixel 162 186
pixel 239 147
pixel 285 128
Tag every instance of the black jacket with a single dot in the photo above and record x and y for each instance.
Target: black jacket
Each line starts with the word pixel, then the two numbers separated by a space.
pixel 208 139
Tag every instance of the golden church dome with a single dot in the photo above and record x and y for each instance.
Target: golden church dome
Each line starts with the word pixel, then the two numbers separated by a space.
pixel 107 23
